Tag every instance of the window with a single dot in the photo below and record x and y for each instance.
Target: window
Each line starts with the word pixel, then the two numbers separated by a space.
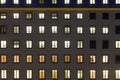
pixel 15 1
pixel 3 74
pixel 105 44
pixel 3 29
pixel 105 16
pixel 55 74
pixel 67 16
pixel 3 59
pixel 54 30
pixel 92 16
pixel 29 58
pixel 105 59
pixel 16 44
pixel 16 29
pixel 92 44
pixel 42 74
pixel 67 74
pixel 92 30
pixel 79 1
pixel 80 58
pixel 80 30
pixel 29 74
pixel 117 1
pixel 42 58
pixel 54 58
pixel 16 74
pixel 2 1
pixel 67 44
pixel 79 15
pixel 117 44
pixel 28 1
pixel 28 44
pixel 117 16
pixel 105 74
pixel 117 59
pixel 92 74
pixel 67 30
pixel 54 15
pixel 41 44
pixel 16 58
pixel 54 44
pixel 41 29
pixel 80 44
pixel 117 29
pixel 79 74
pixel 105 30
pixel 16 16
pixel 3 16
pixel 67 58
pixel 41 15
pixel 3 44
pixel 66 1
pixel 28 16
pixel 105 1
pixel 54 1
pixel 92 58
pixel 117 74
pixel 92 1
pixel 41 1
pixel 28 29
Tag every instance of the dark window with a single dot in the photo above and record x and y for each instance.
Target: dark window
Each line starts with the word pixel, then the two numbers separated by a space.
pixel 117 59
pixel 3 29
pixel 105 16
pixel 92 15
pixel 105 44
pixel 117 16
pixel 117 29
pixel 92 44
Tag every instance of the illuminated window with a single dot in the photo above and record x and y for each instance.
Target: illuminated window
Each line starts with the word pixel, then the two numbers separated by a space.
pixel 42 58
pixel 117 44
pixel 117 74
pixel 3 16
pixel 41 29
pixel 66 1
pixel 67 44
pixel 16 16
pixel 54 58
pixel 3 44
pixel 92 30
pixel 29 74
pixel 3 74
pixel 3 58
pixel 105 1
pixel 16 44
pixel 16 58
pixel 105 59
pixel 28 15
pixel 67 58
pixel 16 74
pixel 67 74
pixel 54 44
pixel 80 44
pixel 54 15
pixel 42 44
pixel 55 74
pixel 79 74
pixel 16 29
pixel 15 1
pixel 92 58
pixel 41 74
pixel 28 44
pixel 2 1
pixel 80 30
pixel 41 1
pixel 28 1
pixel 105 74
pixel 92 1
pixel 29 58
pixel 67 30
pixel 117 1
pixel 28 29
pixel 79 58
pixel 3 29
pixel 105 30
pixel 54 1
pixel 79 15
pixel 79 1
pixel 67 16
pixel 41 15
pixel 92 74
pixel 54 30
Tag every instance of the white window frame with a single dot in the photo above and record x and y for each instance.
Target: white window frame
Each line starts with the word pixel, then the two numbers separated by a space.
pixel 16 29
pixel 105 59
pixel 28 29
pixel 3 44
pixel 117 44
pixel 15 1
pixel 80 44
pixel 28 1
pixel 67 74
pixel 79 15
pixel 16 74
pixel 29 74
pixel 2 1
pixel 92 1
pixel 67 16
pixel 28 44
pixel 105 1
pixel 3 16
pixel 79 1
pixel 105 30
pixel 80 74
pixel 67 44
pixel 42 44
pixel 92 74
pixel 105 74
pixel 54 30
pixel 92 30
pixel 28 15
pixel 16 44
pixel 66 1
pixel 67 30
pixel 41 16
pixel 3 74
pixel 16 15
pixel 54 16
pixel 80 30
pixel 41 29
pixel 54 44
pixel 54 1
pixel 55 74
pixel 117 1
